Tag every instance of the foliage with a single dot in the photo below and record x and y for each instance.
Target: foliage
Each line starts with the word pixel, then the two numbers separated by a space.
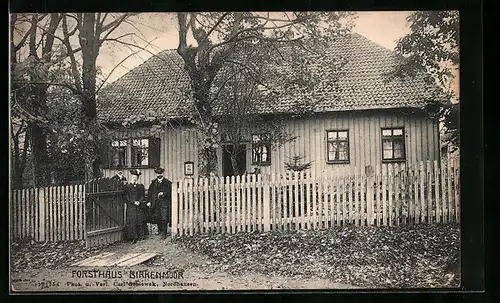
pixel 242 67
pixel 53 90
pixel 223 37
pixel 369 257
pixel 295 164
pixel 432 48
pixel 48 255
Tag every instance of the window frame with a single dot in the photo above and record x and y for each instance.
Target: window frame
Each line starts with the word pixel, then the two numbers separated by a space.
pixel 153 152
pixel 344 161
pixel 268 145
pixel 391 138
pixel 115 149
pixel 132 154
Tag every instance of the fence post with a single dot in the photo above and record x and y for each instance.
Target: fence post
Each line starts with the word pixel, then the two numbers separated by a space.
pixel 41 214
pixel 175 215
pixel 265 193
pixel 456 183
pixel 369 194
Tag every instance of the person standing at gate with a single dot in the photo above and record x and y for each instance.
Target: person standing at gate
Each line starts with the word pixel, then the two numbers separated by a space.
pixel 119 176
pixel 135 227
pixel 160 197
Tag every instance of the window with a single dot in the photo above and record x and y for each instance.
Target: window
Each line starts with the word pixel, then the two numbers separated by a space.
pixel 393 144
pixel 140 148
pixel 118 153
pixel 337 146
pixel 131 153
pixel 261 149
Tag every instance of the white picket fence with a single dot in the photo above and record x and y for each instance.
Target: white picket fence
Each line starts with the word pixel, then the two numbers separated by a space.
pixel 48 214
pixel 421 193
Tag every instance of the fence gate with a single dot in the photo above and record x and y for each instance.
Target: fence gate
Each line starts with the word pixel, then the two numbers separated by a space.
pixel 104 212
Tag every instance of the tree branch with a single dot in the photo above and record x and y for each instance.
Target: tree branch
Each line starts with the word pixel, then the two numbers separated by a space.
pixel 116 66
pixel 271 39
pixel 221 18
pixel 115 23
pixel 71 54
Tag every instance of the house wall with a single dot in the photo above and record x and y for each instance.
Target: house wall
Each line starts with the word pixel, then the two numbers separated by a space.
pixel 421 143
pixel 365 146
pixel 178 145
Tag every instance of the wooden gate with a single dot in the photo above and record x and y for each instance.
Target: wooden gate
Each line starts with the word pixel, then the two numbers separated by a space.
pixel 104 212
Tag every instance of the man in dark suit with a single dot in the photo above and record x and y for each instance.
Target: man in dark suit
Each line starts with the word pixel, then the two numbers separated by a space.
pixel 135 228
pixel 160 197
pixel 119 176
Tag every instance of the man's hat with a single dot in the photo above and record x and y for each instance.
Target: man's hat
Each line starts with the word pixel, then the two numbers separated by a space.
pixel 159 170
pixel 135 172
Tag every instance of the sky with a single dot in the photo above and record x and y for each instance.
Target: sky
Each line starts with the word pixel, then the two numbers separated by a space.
pixel 160 29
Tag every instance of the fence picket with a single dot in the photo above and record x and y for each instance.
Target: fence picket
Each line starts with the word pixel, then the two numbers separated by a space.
pixel 421 176
pixel 451 204
pixel 196 201
pixel 217 211
pixel 248 208
pixel 456 180
pixel 328 201
pixel 429 192
pixel 362 200
pixel 409 194
pixel 71 218
pixel 67 212
pixel 437 196
pixel 175 208
pixel 237 218
pixel 190 206
pixel 182 207
pixel 375 198
pixel 185 207
pixel 31 217
pixel 384 195
pixel 211 205
pixel 22 211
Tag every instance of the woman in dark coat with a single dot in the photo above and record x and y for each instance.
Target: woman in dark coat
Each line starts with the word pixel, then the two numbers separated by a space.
pixel 135 227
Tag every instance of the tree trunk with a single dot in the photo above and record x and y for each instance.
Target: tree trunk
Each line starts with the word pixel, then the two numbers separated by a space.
pixel 234 164
pixel 89 43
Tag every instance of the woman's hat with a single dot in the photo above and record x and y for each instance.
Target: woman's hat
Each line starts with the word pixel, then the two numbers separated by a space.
pixel 135 172
pixel 159 170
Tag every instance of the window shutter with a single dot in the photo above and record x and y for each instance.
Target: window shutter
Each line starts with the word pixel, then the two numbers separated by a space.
pixel 154 152
pixel 104 153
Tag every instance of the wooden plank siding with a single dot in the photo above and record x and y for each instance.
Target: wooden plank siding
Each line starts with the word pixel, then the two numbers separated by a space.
pixel 365 148
pixel 178 145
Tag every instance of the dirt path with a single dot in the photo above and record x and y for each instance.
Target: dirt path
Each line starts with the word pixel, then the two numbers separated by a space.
pixel 181 270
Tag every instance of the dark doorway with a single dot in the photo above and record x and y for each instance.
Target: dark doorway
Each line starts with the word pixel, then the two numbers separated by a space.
pixel 227 167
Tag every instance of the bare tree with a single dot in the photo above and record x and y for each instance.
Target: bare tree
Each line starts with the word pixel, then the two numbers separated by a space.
pixel 218 35
pixel 93 29
pixel 249 91
pixel 35 68
pixel 53 42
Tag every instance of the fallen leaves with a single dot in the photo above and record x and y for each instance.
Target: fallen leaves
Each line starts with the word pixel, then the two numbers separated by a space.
pixel 372 257
pixel 49 255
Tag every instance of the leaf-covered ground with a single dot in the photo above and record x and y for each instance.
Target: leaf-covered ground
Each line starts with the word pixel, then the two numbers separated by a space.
pixel 369 257
pixel 48 255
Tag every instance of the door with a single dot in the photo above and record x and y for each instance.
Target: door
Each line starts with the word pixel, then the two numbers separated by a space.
pixel 227 167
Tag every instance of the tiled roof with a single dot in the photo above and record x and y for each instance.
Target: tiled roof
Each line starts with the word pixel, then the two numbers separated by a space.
pixel 160 84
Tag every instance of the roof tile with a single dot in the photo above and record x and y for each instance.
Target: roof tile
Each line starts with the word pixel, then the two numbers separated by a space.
pixel 159 85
